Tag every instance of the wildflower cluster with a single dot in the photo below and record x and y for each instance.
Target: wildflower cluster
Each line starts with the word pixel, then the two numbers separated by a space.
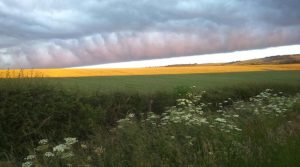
pixel 226 123
pixel 65 150
pixel 189 126
pixel 267 103
pixel 44 151
pixel 68 153
pixel 190 112
pixel 152 119
pixel 127 121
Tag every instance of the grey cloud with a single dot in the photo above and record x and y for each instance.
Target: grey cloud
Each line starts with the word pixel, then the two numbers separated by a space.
pixel 75 32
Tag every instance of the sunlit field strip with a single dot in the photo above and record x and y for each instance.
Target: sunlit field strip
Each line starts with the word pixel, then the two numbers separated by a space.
pixel 144 71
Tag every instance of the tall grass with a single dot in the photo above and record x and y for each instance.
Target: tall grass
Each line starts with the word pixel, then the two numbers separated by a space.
pixel 260 132
pixel 125 129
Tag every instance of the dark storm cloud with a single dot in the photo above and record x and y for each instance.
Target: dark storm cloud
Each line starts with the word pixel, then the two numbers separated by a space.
pixel 67 33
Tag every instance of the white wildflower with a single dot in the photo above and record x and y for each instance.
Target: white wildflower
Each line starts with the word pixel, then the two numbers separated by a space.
pixel 27 164
pixel 220 120
pixel 83 146
pixel 43 141
pixel 70 140
pixel 131 115
pixel 30 157
pixel 203 120
pixel 60 148
pixel 238 129
pixel 49 154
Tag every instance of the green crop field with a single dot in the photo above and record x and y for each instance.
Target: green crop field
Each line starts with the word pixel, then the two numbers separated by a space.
pixel 167 83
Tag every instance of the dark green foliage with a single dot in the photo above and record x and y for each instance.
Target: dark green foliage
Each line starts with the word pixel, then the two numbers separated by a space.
pixel 32 109
pixel 263 142
pixel 30 113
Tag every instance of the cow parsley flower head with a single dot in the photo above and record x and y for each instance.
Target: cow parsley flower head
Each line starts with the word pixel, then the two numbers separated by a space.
pixel 131 115
pixel 30 157
pixel 221 120
pixel 27 164
pixel 60 148
pixel 236 115
pixel 49 154
pixel 70 140
pixel 43 141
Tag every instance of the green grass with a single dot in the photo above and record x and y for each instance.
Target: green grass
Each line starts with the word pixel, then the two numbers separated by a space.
pixel 90 109
pixel 167 83
pixel 261 132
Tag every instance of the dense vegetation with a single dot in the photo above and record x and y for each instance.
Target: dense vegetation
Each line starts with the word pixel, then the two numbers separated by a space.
pixel 245 125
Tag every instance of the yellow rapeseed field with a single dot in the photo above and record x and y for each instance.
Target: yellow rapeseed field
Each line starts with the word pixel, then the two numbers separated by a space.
pixel 59 72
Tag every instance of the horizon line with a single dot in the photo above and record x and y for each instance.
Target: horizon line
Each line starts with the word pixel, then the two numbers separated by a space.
pixel 202 59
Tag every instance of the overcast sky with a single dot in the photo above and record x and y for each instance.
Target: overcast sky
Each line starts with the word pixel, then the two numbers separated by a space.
pixel 66 33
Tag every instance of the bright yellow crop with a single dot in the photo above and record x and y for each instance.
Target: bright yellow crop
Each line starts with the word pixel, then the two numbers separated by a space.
pixel 144 71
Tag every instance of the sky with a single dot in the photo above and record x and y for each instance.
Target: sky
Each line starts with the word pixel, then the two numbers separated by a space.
pixel 68 33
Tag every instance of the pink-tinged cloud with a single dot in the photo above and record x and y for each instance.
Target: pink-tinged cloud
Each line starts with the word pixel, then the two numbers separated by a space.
pixel 76 33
